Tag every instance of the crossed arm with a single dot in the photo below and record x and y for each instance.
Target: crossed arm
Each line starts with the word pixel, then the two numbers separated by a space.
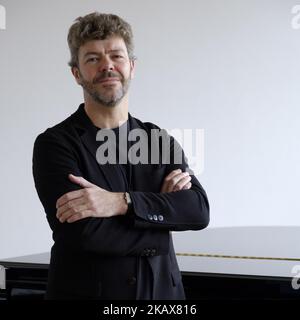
pixel 93 201
pixel 71 198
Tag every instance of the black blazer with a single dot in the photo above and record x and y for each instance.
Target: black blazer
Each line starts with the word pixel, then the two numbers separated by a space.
pixel 122 257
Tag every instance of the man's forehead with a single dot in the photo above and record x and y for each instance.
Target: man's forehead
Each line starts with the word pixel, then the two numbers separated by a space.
pixel 109 44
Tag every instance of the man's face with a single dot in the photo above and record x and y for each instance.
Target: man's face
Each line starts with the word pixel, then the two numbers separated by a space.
pixel 105 70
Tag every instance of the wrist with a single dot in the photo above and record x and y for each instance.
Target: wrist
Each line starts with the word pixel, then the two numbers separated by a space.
pixel 122 203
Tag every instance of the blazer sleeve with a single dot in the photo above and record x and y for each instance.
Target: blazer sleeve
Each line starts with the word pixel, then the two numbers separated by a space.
pixel 175 211
pixel 53 160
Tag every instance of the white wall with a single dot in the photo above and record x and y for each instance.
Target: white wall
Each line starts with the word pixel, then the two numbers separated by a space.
pixel 230 67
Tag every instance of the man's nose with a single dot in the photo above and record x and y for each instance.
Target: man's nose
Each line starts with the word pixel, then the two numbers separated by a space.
pixel 106 65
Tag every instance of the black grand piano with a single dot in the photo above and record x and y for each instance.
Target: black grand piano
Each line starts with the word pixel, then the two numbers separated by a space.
pixel 238 263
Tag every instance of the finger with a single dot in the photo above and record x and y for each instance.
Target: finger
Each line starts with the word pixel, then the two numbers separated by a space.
pixel 69 196
pixel 69 205
pixel 80 216
pixel 71 212
pixel 81 181
pixel 175 180
pixel 172 174
pixel 167 184
pixel 187 186
pixel 181 183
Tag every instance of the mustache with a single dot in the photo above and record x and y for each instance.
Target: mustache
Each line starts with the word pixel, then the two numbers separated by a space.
pixel 105 75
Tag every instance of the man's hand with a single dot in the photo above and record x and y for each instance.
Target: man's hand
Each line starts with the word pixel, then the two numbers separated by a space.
pixel 91 201
pixel 176 180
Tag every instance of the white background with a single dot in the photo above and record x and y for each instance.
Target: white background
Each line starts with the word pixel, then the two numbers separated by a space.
pixel 230 67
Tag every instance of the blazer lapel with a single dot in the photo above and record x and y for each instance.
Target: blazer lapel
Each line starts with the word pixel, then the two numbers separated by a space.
pixel 138 171
pixel 111 172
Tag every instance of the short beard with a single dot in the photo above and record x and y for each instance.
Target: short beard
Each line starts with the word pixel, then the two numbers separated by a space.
pixel 108 101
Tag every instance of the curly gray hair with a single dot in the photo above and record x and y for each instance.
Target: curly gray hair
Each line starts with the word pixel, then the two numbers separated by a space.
pixel 98 26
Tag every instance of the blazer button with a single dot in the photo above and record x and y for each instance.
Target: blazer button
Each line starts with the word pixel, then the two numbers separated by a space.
pixel 146 252
pixel 155 217
pixel 131 281
pixel 150 217
pixel 161 218
pixel 153 251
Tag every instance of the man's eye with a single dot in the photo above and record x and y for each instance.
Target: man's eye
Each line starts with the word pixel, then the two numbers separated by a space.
pixel 92 60
pixel 118 56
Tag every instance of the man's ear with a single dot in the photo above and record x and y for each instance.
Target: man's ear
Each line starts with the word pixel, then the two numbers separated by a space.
pixel 132 68
pixel 76 74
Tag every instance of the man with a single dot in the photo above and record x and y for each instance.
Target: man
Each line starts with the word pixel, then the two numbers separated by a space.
pixel 111 222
